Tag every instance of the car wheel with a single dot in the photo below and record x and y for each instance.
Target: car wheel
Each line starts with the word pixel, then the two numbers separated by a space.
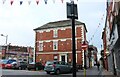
pixel 57 71
pixel 36 68
pixel 28 68
pixel 48 72
pixel 19 68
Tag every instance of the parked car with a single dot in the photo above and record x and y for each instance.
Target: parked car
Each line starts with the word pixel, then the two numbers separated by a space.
pixel 4 62
pixel 57 67
pixel 35 66
pixel 19 65
pixel 9 63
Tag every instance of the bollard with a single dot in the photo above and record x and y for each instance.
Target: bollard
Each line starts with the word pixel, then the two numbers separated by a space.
pixel 84 72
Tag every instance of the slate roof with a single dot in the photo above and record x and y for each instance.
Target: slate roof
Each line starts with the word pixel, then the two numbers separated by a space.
pixel 56 24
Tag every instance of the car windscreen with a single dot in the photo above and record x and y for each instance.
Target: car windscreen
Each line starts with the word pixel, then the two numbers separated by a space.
pixel 32 63
pixel 4 61
pixel 49 63
pixel 22 63
pixel 52 62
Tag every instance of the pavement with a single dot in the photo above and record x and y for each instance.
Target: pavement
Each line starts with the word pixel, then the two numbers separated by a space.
pixel 94 72
pixel 106 73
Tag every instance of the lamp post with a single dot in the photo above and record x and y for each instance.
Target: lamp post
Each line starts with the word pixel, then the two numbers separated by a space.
pixel 5 37
pixel 5 43
pixel 72 14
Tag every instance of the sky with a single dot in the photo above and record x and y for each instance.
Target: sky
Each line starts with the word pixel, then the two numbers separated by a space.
pixel 18 21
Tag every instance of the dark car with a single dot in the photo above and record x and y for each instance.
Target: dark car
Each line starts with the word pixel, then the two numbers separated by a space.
pixel 57 67
pixel 20 65
pixel 35 66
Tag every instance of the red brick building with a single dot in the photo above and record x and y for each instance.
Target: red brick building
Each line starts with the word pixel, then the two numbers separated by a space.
pixel 111 37
pixel 19 53
pixel 92 55
pixel 105 65
pixel 54 41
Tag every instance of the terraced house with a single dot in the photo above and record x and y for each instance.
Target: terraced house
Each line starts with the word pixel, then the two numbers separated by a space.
pixel 53 41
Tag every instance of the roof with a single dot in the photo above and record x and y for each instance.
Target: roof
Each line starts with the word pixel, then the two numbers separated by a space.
pixel 62 23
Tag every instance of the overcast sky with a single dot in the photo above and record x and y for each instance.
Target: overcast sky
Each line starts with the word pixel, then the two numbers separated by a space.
pixel 18 21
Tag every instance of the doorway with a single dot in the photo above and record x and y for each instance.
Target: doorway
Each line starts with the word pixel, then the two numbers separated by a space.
pixel 63 58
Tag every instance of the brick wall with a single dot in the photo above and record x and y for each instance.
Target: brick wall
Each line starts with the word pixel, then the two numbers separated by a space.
pixel 62 34
pixel 64 44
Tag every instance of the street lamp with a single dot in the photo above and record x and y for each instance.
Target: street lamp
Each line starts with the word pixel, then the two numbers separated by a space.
pixel 73 14
pixel 5 37
pixel 5 43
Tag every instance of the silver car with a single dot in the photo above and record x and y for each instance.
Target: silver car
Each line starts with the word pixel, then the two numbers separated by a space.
pixel 57 67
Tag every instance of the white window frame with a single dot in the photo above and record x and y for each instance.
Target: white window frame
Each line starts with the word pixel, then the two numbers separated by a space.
pixel 55 43
pixel 55 33
pixel 75 31
pixel 41 46
pixel 76 43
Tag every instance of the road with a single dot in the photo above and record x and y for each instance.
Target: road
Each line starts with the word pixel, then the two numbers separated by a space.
pixel 22 72
pixel 93 72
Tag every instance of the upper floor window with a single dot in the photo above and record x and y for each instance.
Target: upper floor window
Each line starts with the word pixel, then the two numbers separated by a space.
pixel 55 45
pixel 40 46
pixel 55 33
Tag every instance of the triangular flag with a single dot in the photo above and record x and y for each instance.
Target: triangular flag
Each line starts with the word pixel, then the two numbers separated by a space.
pixel 62 1
pixel 21 2
pixel 4 1
pixel 99 23
pixel 53 1
pixel 37 1
pixel 103 14
pixel 11 2
pixel 29 2
pixel 45 1
pixel 91 38
pixel 101 18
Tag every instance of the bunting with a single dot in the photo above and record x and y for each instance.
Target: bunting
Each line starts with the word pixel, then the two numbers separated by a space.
pixel 21 2
pixel 53 1
pixel 3 1
pixel 45 1
pixel 96 29
pixel 37 1
pixel 29 1
pixel 62 1
pixel 11 2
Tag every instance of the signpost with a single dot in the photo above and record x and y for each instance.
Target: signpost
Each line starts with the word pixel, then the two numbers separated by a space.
pixel 84 47
pixel 72 14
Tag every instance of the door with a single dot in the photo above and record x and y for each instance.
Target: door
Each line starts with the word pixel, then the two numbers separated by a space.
pixel 63 58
